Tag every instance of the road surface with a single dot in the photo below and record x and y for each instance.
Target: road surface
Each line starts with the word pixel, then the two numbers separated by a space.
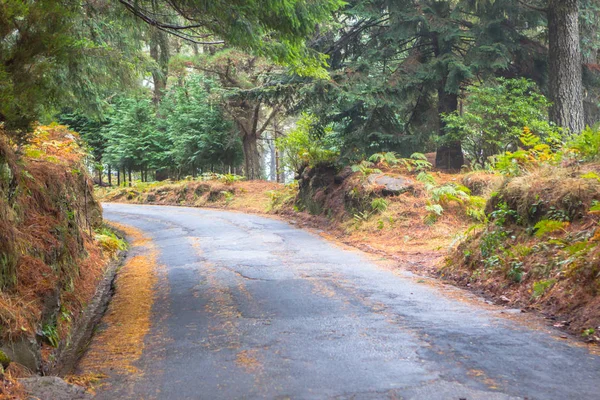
pixel 253 307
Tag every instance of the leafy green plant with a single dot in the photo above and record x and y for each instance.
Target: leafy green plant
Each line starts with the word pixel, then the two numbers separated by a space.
pixel 417 161
pixel 109 241
pixel 366 168
pixel 51 334
pixel 283 197
pixel 595 207
pixel 515 272
pixel 228 196
pixel 389 158
pixel 547 226
pixel 492 242
pixel 586 145
pixel 492 262
pixel 588 332
pixel 300 147
pixel 230 178
pixel 379 205
pixel 503 213
pixel 434 211
pixel 540 287
pixel 533 154
pixel 361 216
pixel 494 115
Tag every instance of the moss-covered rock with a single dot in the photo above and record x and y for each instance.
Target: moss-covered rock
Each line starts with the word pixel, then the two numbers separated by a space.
pixel 4 359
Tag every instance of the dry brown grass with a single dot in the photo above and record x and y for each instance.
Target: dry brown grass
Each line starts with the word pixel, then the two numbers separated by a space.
pixel 249 196
pixel 116 348
pixel 47 216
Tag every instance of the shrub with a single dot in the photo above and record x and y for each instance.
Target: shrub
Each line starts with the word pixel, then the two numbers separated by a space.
pixel 586 145
pixel 494 115
pixel 301 148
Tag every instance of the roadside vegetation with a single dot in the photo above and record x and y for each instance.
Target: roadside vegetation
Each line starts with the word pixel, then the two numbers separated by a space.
pixel 54 247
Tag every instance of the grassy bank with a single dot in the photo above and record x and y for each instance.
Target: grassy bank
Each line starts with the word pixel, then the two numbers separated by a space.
pixel 53 247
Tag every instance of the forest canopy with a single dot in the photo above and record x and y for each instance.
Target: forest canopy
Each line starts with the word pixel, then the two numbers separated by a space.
pixel 170 88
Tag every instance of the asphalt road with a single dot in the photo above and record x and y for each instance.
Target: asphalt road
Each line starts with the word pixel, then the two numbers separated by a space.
pixel 253 307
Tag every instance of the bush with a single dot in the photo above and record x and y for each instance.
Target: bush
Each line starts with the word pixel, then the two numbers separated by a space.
pixel 301 148
pixel 586 145
pixel 494 115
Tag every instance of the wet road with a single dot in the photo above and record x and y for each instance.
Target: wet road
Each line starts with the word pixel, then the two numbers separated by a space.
pixel 251 307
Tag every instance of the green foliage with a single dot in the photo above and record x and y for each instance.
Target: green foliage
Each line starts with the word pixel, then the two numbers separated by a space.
pixel 283 197
pixel 448 193
pixel 588 332
pixel 55 53
pixel 231 178
pixel 51 334
pixel 300 147
pixel 586 145
pixel 379 205
pixel 515 272
pixel 366 168
pixel 503 214
pixel 492 242
pixel 540 287
pixel 546 226
pixel 417 161
pixel 434 211
pixel 133 140
pixel 200 137
pixel 535 153
pixel 109 241
pixel 494 115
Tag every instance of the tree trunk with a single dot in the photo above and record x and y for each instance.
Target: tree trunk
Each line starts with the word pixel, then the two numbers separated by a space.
pixel 251 156
pixel 566 87
pixel 159 51
pixel 129 177
pixel 118 177
pixel 449 155
pixel 109 176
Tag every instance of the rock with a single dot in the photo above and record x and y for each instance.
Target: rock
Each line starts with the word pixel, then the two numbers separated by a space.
pixel 343 175
pixel 505 299
pixel 392 185
pixel 25 351
pixel 53 388
pixel 4 359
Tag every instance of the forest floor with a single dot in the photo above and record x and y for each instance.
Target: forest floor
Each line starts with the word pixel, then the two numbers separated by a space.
pixel 402 233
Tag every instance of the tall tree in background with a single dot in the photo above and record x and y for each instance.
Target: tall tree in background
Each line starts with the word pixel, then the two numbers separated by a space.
pixel 565 62
pixel 246 80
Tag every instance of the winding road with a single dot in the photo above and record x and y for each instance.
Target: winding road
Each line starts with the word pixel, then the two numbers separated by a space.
pixel 251 307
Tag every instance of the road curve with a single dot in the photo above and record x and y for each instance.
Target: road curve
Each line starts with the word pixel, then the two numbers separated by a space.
pixel 252 307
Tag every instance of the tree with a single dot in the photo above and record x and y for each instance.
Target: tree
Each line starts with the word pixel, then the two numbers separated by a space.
pixel 399 67
pixel 246 80
pixel 566 87
pixel 201 137
pixel 133 141
pixel 56 54
pixel 275 29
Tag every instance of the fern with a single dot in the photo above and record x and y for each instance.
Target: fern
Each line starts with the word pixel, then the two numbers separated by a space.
pixel 547 226
pixel 379 205
pixel 434 212
pixel 365 168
